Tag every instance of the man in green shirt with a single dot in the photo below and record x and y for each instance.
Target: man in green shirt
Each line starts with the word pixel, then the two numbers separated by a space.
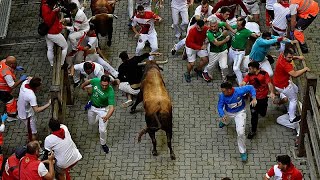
pixel 218 38
pixel 101 105
pixel 238 46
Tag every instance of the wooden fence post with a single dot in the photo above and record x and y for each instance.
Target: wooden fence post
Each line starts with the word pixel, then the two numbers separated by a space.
pixel 306 105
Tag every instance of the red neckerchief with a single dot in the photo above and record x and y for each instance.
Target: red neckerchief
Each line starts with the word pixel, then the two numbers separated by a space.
pixel 92 35
pixel 220 17
pixel 233 90
pixel 28 87
pixel 285 4
pixel 59 133
pixel 93 66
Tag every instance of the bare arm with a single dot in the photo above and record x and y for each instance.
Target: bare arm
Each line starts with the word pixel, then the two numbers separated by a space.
pixel 271 89
pixel 219 43
pixel 298 73
pixel 86 83
pixel 109 114
pixel 293 22
pixel 41 108
pixel 50 174
pixel 17 83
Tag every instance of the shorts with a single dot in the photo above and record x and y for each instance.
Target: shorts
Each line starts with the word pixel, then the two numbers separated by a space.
pixel 33 125
pixel 125 87
pixel 5 96
pixel 253 8
pixel 192 54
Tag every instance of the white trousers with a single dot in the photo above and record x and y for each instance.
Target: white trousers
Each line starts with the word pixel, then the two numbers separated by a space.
pixel 284 121
pixel 74 37
pixel 125 87
pixel 153 40
pixel 96 114
pixel 291 92
pixel 178 29
pixel 58 39
pixel 33 124
pixel 221 57
pixel 180 44
pixel 235 58
pixel 106 66
pixel 240 120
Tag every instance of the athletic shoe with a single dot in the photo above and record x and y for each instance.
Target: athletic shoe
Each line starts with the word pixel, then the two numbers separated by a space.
pixel 173 50
pixel 77 84
pixel 251 135
pixel 127 103
pixel 296 119
pixel 304 48
pixel 244 157
pixel 221 124
pixel 206 76
pixel 187 77
pixel 10 119
pixel 105 148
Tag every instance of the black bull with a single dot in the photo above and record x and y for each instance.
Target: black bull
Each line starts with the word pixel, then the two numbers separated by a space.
pixel 157 105
pixel 102 17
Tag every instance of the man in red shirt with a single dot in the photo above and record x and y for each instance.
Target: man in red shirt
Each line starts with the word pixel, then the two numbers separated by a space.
pixel 196 45
pixel 260 80
pixel 281 80
pixel 232 4
pixel 284 170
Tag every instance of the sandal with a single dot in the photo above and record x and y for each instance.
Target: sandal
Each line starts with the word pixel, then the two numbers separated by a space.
pixel 127 103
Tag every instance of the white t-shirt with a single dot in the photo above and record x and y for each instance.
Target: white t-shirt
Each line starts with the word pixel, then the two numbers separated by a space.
pixel 253 27
pixel 65 150
pixel 179 4
pixel 269 4
pixel 27 99
pixel 280 12
pixel 202 15
pixel 42 170
pixel 98 70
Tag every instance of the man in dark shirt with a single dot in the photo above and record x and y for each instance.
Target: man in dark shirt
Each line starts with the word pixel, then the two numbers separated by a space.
pixel 261 82
pixel 130 74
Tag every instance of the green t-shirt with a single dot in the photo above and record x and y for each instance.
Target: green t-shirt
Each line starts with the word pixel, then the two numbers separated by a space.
pixel 219 37
pixel 239 40
pixel 100 97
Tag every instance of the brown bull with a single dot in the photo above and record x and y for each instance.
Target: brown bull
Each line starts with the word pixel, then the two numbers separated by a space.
pixel 102 17
pixel 157 105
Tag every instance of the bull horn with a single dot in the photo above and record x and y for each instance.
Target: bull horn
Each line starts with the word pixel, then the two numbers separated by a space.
pixel 112 16
pixel 142 64
pixel 162 62
pixel 92 18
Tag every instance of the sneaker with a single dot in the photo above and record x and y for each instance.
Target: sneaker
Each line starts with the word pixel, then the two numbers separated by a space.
pixel 72 53
pixel 77 84
pixel 10 119
pixel 221 124
pixel 296 119
pixel 304 48
pixel 105 148
pixel 206 76
pixel 199 72
pixel 251 135
pixel 127 103
pixel 173 50
pixel 244 157
pixel 187 77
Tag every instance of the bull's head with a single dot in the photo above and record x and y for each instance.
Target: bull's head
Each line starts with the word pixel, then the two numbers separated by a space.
pixel 102 22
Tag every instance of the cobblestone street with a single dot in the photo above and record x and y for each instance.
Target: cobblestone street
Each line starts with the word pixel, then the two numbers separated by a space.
pixel 203 150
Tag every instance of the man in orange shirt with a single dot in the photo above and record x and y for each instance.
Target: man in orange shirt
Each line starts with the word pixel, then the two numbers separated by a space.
pixel 302 12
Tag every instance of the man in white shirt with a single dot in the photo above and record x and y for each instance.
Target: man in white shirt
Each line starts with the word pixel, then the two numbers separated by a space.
pixel 204 10
pixel 80 25
pixel 27 105
pixel 145 19
pixel 65 150
pixel 88 69
pixel 279 23
pixel 180 7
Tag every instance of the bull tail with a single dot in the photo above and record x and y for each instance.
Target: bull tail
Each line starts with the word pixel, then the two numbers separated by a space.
pixel 141 133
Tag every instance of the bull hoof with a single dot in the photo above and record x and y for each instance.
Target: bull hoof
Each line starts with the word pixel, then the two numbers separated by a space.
pixel 154 153
pixel 109 43
pixel 173 157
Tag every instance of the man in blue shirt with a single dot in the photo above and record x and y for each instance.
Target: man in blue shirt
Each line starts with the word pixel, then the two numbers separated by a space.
pixel 261 48
pixel 232 104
